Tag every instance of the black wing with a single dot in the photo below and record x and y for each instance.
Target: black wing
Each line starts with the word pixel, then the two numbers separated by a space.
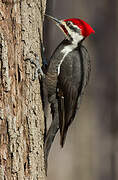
pixel 72 80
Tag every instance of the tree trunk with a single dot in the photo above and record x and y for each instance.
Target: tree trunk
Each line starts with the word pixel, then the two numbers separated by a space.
pixel 21 115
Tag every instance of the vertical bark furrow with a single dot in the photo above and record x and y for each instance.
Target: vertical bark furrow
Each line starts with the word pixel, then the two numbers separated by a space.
pixel 21 115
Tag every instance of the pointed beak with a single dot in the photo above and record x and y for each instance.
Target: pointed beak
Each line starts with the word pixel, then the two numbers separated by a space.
pixel 58 22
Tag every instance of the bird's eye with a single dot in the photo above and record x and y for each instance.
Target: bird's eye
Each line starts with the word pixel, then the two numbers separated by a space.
pixel 68 23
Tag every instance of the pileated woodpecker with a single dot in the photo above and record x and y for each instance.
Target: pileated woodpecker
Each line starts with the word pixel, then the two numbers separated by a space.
pixel 65 77
pixel 68 71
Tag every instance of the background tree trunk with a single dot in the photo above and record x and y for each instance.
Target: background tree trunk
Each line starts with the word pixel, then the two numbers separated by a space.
pixel 21 115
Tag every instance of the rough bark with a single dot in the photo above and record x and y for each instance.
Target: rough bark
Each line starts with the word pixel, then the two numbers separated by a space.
pixel 21 115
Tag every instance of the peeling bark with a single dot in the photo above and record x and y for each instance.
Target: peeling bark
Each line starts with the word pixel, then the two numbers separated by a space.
pixel 21 115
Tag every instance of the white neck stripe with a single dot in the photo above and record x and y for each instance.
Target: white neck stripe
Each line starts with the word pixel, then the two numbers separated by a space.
pixel 65 51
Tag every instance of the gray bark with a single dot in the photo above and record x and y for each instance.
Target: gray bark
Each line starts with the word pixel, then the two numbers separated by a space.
pixel 21 115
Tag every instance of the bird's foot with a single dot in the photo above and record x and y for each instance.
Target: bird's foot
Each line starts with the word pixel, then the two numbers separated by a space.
pixel 38 70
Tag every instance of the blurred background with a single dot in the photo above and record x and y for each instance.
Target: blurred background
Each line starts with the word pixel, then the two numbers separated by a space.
pixel 91 148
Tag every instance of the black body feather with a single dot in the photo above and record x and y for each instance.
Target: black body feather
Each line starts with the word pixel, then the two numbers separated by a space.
pixel 69 85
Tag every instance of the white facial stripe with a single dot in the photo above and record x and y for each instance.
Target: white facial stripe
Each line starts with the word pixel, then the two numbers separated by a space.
pixel 76 36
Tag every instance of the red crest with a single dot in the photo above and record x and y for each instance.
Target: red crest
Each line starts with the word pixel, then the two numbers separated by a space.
pixel 86 29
